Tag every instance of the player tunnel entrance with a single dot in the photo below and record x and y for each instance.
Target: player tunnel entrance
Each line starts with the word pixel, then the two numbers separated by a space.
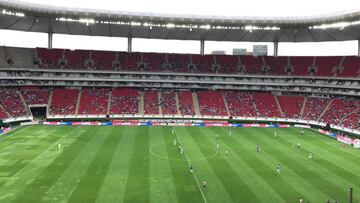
pixel 38 112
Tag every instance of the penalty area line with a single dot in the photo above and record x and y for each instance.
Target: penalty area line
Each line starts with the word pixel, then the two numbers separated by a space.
pixel 197 182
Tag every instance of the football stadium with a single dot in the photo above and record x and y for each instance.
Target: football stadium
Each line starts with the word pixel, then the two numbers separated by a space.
pixel 104 102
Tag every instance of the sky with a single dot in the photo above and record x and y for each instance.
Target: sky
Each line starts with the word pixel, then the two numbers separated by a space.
pixel 279 8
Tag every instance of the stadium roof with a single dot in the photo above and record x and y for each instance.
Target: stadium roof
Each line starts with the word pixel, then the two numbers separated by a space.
pixel 17 15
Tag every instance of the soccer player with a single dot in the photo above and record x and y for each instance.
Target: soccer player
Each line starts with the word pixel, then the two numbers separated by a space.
pixel 310 155
pixel 226 153
pixel 181 150
pixel 217 145
pixel 257 148
pixel 302 132
pixel 301 200
pixel 179 147
pixel 174 142
pixel 278 168
pixel 229 131
pixel 275 135
pixel 298 145
pixel 217 137
pixel 60 146
pixel 191 168
pixel 204 184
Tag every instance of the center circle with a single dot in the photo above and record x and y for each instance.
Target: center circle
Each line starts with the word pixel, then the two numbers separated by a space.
pixel 194 151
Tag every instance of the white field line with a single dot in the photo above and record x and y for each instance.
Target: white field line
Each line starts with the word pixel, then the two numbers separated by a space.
pixel 197 182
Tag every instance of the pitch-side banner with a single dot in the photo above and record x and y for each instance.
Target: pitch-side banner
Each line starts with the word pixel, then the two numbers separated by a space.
pixel 345 140
pixel 356 143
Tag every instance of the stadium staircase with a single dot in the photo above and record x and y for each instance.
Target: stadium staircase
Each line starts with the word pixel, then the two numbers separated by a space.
pixel 226 104
pixel 278 105
pixel 303 107
pixel 177 103
pixel 254 104
pixel 196 104
pixel 109 103
pixel 159 99
pixel 49 103
pixel 325 110
pixel 78 103
pixel 4 110
pixel 24 103
pixel 141 103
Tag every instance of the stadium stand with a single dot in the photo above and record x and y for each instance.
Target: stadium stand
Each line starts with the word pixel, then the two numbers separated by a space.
pixel 103 60
pixel 11 100
pixel 301 65
pixel 64 101
pixel 325 65
pixel 202 63
pixel 151 102
pixel 266 105
pixel 35 95
pixel 77 59
pixel 153 61
pixel 179 62
pixel 351 67
pixel 211 103
pixel 291 105
pixel 227 64
pixel 94 101
pixel 240 103
pixel 314 107
pixel 124 101
pixel 129 61
pixel 49 58
pixel 340 109
pixel 186 102
pixel 168 102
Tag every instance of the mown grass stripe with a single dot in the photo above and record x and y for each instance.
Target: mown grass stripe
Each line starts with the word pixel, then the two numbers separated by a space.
pixel 90 183
pixel 185 186
pixel 52 172
pixel 259 172
pixel 298 166
pixel 114 185
pixel 237 189
pixel 137 189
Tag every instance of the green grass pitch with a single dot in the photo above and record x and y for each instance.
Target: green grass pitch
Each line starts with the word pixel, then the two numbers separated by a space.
pixel 141 164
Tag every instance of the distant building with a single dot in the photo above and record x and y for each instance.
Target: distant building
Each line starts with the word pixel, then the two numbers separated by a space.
pixel 260 50
pixel 218 52
pixel 239 51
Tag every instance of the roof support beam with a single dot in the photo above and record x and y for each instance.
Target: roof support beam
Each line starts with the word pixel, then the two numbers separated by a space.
pixel 202 47
pixel 50 40
pixel 358 48
pixel 276 48
pixel 129 48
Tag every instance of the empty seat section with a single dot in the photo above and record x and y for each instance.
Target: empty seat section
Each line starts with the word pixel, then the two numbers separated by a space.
pixel 168 102
pixel 227 64
pixel 49 58
pixel 154 61
pixel 129 61
pixel 253 64
pixel 64 101
pixel 291 105
pixel 276 65
pixel 76 59
pixel 203 63
pixel 179 62
pixel 151 102
pixel 94 101
pixel 211 103
pixel 186 102
pixel 351 67
pixel 103 60
pixel 266 105
pixel 240 103
pixel 325 65
pixel 301 64
pixel 124 101
pixel 314 107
